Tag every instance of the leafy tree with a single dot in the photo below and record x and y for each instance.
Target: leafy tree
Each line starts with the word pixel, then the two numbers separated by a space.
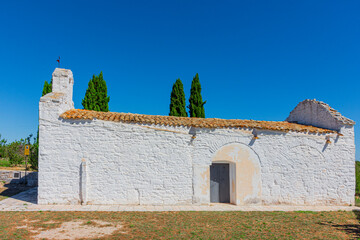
pixel 47 88
pixel 357 175
pixel 96 97
pixel 3 147
pixel 34 151
pixel 34 155
pixel 177 100
pixel 15 152
pixel 196 106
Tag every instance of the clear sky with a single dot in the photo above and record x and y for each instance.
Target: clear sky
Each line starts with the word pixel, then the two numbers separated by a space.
pixel 255 59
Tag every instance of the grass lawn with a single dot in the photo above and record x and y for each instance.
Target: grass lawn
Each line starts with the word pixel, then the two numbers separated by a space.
pixel 182 225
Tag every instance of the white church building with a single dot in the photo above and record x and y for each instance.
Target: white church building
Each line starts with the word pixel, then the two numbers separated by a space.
pixel 88 157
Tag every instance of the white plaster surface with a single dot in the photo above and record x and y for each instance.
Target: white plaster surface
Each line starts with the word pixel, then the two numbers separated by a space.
pixel 147 165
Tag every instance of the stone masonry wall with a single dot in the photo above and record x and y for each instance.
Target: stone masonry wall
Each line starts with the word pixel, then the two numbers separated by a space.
pixel 126 164
pixel 136 164
pixel 104 162
pixel 296 168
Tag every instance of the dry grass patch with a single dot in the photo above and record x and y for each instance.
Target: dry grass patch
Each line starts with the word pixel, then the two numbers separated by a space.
pixel 15 168
pixel 79 230
pixel 179 225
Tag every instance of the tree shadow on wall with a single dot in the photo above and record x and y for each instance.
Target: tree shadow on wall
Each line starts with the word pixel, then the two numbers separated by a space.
pixel 352 230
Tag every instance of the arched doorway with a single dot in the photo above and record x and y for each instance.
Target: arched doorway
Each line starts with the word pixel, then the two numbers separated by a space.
pixel 235 169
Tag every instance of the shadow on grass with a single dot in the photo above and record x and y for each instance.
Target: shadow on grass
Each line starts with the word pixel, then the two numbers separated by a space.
pixel 350 229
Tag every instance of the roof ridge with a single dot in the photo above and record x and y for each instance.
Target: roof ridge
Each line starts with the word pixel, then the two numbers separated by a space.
pixel 284 126
pixel 167 116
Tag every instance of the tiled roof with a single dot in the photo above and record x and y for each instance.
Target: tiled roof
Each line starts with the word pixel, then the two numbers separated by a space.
pixel 78 114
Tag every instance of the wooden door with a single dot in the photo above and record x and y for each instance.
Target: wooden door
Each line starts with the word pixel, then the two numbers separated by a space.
pixel 219 183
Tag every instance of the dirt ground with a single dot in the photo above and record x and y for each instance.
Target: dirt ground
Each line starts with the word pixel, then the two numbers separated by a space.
pixel 179 225
pixel 20 168
pixel 73 229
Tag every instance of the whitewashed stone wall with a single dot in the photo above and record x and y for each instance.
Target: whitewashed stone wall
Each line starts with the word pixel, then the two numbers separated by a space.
pixel 104 162
pixel 296 168
pixel 319 114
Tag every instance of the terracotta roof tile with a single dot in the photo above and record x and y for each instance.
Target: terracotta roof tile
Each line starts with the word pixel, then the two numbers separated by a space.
pixel 191 122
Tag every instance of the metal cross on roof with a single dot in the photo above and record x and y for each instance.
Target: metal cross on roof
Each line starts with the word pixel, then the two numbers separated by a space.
pixel 58 60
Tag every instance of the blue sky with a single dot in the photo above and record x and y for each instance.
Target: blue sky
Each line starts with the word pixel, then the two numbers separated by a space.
pixel 255 59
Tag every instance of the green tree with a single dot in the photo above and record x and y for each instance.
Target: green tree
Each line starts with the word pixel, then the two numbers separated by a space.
pixel 34 151
pixel 3 147
pixel 47 88
pixel 177 100
pixel 196 106
pixel 96 97
pixel 89 101
pixel 357 175
pixel 15 152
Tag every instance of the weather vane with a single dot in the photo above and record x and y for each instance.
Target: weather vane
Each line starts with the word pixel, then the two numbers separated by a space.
pixel 58 61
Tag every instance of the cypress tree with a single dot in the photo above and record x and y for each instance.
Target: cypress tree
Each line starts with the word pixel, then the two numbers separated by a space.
pixel 89 101
pixel 101 89
pixel 177 100
pixel 196 106
pixel 96 97
pixel 47 88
